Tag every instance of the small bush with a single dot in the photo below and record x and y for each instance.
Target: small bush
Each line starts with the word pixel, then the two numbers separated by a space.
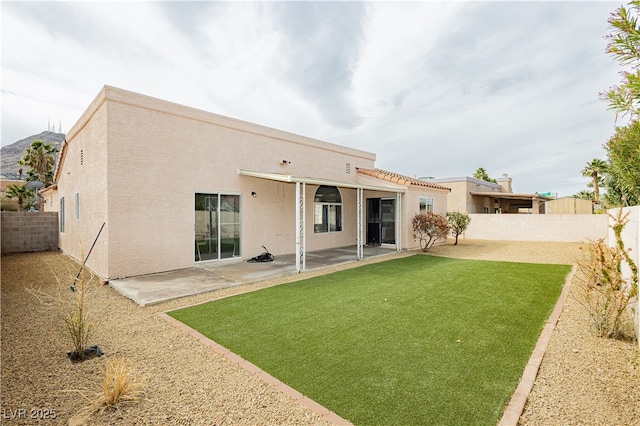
pixel 9 205
pixel 428 228
pixel 458 223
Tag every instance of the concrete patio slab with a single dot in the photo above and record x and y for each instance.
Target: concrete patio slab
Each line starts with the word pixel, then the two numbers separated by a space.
pixel 151 289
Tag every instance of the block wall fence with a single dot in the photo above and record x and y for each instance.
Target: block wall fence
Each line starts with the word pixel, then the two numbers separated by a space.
pixel 567 228
pixel 29 231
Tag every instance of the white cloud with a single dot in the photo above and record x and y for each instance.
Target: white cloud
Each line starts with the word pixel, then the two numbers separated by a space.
pixel 395 41
pixel 433 88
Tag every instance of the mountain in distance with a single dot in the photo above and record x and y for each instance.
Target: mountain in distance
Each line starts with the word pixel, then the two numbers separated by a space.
pixel 10 154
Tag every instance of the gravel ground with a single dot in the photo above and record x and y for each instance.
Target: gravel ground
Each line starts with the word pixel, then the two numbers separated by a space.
pixel 582 380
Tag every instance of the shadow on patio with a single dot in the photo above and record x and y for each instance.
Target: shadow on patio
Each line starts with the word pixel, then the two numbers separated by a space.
pixel 204 277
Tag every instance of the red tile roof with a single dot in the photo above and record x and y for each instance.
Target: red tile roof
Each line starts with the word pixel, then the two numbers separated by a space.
pixel 399 179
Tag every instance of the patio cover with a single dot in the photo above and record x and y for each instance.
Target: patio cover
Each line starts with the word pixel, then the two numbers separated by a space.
pixel 301 182
pixel 511 196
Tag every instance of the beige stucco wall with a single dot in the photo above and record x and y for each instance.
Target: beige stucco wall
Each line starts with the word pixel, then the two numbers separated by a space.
pixel 411 207
pixel 84 171
pixel 171 152
pixel 157 155
pixel 529 227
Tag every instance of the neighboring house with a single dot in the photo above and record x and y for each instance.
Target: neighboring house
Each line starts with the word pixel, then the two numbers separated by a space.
pixel 4 183
pixel 471 195
pixel 177 186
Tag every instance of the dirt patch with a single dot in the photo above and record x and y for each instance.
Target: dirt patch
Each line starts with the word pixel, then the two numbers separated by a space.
pixel 583 379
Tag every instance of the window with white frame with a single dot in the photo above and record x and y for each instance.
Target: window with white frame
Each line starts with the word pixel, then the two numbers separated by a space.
pixel 426 205
pixel 327 210
pixel 62 214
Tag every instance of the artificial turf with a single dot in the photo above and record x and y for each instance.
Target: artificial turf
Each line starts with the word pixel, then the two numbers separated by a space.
pixel 419 340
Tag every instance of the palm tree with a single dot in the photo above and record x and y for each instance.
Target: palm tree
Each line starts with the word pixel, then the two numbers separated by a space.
pixel 595 170
pixel 39 157
pixel 21 193
pixel 585 194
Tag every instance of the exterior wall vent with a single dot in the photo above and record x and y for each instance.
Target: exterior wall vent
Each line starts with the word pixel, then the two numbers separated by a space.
pixel 347 168
pixel 82 157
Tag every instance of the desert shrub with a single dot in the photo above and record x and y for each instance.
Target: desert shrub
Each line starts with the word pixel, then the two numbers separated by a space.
pixel 9 205
pixel 458 223
pixel 76 319
pixel 70 304
pixel 120 385
pixel 428 228
pixel 604 292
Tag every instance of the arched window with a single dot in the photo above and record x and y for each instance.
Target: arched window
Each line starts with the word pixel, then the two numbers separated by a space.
pixel 327 210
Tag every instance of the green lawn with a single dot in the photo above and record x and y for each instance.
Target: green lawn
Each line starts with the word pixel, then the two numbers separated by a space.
pixel 418 340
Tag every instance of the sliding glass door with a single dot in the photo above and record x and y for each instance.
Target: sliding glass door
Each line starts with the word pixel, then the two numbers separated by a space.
pixel 217 226
pixel 388 225
pixel 381 222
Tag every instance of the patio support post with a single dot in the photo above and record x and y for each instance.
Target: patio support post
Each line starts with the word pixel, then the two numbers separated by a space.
pixel 398 221
pixel 300 226
pixel 360 249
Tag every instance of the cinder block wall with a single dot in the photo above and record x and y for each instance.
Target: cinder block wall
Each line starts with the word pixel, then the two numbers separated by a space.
pixel 29 231
pixel 569 228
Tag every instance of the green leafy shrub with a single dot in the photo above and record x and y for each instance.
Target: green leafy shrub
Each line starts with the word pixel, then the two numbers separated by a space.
pixel 458 223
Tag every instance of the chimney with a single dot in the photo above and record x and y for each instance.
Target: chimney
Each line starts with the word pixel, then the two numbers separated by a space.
pixel 505 183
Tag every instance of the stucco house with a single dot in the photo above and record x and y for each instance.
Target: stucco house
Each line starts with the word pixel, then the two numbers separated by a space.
pixel 176 186
pixel 475 196
pixel 5 183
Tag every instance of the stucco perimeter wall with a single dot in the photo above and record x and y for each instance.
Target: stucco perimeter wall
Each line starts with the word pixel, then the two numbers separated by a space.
pixel 631 238
pixel 29 231
pixel 528 227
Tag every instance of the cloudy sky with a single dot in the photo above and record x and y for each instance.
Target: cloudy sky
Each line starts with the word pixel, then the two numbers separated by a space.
pixel 433 88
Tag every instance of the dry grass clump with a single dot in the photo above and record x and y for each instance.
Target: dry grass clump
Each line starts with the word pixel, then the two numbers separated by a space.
pixel 120 385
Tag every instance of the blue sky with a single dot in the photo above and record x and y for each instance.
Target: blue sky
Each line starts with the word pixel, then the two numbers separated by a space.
pixel 433 88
